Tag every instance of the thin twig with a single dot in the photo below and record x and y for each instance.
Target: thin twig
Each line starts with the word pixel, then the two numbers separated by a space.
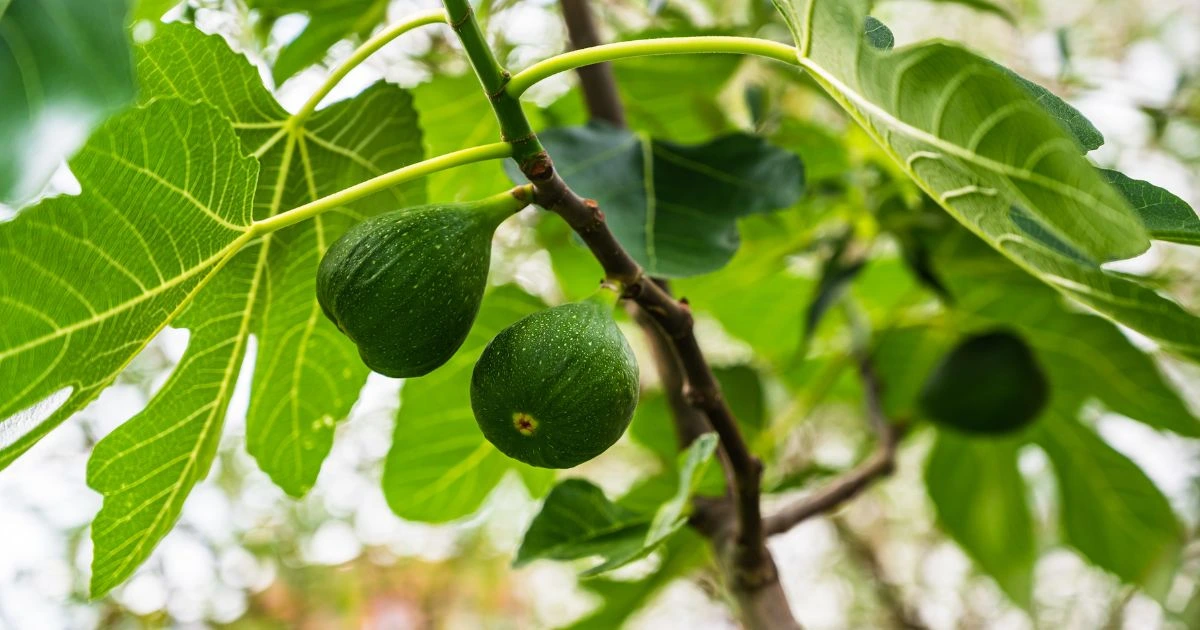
pixel 881 463
pixel 903 616
pixel 599 88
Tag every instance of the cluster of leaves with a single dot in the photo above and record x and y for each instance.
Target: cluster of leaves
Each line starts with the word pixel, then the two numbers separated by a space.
pixel 164 233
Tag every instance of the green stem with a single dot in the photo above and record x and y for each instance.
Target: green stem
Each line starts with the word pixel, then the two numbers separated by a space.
pixel 526 78
pixel 370 47
pixel 496 151
pixel 514 126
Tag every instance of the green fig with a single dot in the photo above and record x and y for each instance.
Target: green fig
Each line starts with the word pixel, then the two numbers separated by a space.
pixel 558 387
pixel 988 384
pixel 405 286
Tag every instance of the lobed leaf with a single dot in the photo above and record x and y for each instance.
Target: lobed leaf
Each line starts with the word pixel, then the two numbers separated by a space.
pixel 982 146
pixel 307 374
pixel 86 281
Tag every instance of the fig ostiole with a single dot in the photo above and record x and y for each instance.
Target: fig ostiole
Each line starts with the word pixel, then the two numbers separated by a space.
pixel 989 384
pixel 559 387
pixel 406 286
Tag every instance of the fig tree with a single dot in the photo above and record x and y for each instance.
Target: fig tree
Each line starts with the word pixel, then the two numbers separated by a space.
pixel 405 286
pixel 989 383
pixel 558 387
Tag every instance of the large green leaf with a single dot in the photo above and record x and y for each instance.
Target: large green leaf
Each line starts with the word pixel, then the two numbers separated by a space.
pixel 307 374
pixel 64 67
pixel 578 521
pixel 329 21
pixel 1110 510
pixel 1165 215
pixel 674 207
pixel 147 466
pixel 440 467
pixel 1085 356
pixel 981 502
pixel 984 148
pixel 86 281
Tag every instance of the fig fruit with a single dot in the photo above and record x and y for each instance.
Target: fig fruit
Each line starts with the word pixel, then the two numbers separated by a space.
pixel 989 383
pixel 558 387
pixel 406 286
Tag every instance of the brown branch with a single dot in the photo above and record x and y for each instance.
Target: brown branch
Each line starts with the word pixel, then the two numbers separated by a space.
pixel 690 423
pixel 880 463
pixel 692 389
pixel 599 87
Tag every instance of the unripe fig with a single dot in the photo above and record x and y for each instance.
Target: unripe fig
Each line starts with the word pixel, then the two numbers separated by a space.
pixel 989 384
pixel 558 387
pixel 405 286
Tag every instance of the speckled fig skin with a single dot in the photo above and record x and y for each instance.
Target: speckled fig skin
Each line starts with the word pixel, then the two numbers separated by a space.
pixel 558 387
pixel 406 286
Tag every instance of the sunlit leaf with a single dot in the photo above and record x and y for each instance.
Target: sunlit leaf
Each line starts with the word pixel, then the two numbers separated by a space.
pixel 977 142
pixel 965 132
pixel 108 273
pixel 307 374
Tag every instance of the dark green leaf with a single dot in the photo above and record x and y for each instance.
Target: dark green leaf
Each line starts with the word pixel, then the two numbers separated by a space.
pixel 981 502
pixel 878 34
pixel 674 207
pixel 578 521
pixel 841 264
pixel 1166 216
pixel 65 66
pixel 307 374
pixel 1110 510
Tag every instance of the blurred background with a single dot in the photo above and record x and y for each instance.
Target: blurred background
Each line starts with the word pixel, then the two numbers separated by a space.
pixel 245 556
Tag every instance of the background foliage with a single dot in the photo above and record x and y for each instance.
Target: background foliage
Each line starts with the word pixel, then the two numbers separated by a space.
pixel 1086 518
